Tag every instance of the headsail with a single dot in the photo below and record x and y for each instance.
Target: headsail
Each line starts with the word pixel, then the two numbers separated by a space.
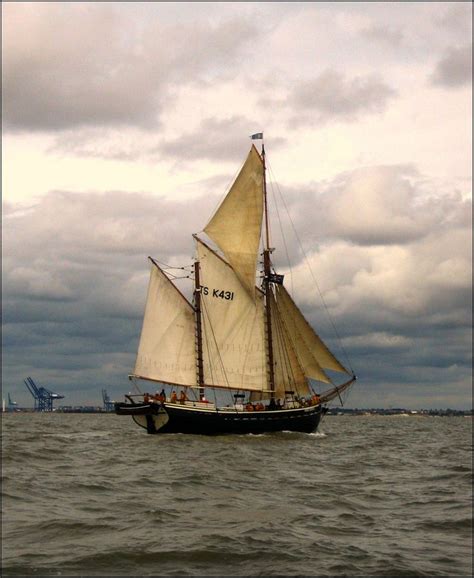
pixel 312 351
pixel 289 374
pixel 167 343
pixel 236 225
pixel 233 327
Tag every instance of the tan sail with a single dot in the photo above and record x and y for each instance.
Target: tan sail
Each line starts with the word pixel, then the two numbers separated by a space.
pixel 237 224
pixel 167 343
pixel 289 375
pixel 233 328
pixel 311 350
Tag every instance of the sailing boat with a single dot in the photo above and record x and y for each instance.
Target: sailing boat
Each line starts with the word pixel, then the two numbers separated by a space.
pixel 236 339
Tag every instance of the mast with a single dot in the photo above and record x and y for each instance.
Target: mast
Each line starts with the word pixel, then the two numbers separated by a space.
pixel 266 273
pixel 197 306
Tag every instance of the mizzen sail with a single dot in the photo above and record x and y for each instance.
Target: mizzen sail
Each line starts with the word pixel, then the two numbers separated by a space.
pixel 236 226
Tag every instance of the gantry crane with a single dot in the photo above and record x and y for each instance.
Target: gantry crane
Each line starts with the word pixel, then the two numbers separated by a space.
pixel 108 405
pixel 12 405
pixel 42 396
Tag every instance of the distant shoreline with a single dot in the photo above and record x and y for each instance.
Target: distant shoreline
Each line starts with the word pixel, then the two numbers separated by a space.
pixel 337 411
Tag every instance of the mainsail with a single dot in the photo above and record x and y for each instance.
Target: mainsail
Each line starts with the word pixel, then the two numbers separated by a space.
pixel 166 352
pixel 236 225
pixel 233 328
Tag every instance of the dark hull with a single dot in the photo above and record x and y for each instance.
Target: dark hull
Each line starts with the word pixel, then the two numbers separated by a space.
pixel 176 419
pixel 136 409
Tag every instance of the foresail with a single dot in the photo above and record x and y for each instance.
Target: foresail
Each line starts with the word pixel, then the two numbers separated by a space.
pixel 167 343
pixel 233 327
pixel 236 225
pixel 311 350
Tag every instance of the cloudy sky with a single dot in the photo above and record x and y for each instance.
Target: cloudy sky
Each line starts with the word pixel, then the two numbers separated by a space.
pixel 124 124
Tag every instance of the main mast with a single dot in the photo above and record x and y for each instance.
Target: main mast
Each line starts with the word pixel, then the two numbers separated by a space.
pixel 197 309
pixel 266 273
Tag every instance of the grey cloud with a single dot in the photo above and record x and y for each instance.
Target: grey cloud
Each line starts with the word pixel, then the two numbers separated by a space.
pixel 66 66
pixel 454 69
pixel 215 139
pixel 332 96
pixel 383 34
pixel 74 286
pixel 457 19
pixel 224 139
pixel 397 282
pixel 378 205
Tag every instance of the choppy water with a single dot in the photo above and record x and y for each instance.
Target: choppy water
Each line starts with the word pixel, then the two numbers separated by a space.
pixel 94 495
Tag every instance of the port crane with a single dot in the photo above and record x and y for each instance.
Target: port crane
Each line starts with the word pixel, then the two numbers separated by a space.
pixel 108 404
pixel 12 405
pixel 43 397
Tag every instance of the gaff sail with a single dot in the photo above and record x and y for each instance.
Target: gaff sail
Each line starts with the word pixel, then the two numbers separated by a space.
pixel 166 351
pixel 233 326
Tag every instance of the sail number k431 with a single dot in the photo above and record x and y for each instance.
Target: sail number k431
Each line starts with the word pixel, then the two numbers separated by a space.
pixel 219 294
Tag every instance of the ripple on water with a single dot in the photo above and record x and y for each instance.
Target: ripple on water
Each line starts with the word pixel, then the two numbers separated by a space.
pixel 364 496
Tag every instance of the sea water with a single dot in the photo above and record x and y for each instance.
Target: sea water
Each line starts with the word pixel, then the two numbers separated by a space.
pixel 94 495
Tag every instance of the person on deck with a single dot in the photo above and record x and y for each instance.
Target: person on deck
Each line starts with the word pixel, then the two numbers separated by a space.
pixel 174 397
pixel 183 397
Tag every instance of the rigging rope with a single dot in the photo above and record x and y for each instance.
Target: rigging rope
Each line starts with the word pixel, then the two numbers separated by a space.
pixel 312 274
pixel 165 266
pixel 277 210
